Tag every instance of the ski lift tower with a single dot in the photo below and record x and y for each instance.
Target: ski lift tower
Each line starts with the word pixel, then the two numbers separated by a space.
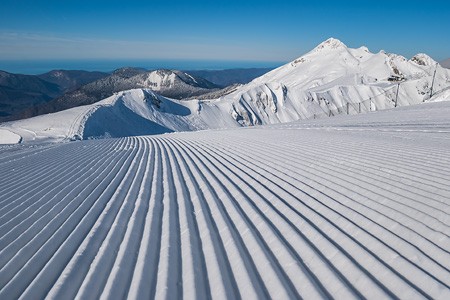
pixel 432 82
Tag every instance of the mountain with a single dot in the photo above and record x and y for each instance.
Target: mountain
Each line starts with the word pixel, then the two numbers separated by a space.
pixel 128 72
pixel 173 83
pixel 69 80
pixel 229 77
pixel 334 79
pixel 170 83
pixel 445 63
pixel 18 92
pixel 331 79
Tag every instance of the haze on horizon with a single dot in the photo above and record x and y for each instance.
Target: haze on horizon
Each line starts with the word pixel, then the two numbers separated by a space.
pixel 263 31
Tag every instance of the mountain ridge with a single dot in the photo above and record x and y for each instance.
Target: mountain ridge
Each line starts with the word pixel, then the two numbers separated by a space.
pixel 172 83
pixel 18 91
pixel 332 76
pixel 71 79
pixel 329 80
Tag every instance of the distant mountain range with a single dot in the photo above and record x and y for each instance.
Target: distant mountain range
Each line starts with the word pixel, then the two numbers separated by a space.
pixel 445 63
pixel 229 77
pixel 69 80
pixel 174 84
pixel 24 96
pixel 19 93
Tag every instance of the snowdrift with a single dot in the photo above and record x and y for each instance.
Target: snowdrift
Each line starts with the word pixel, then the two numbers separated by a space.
pixel 8 137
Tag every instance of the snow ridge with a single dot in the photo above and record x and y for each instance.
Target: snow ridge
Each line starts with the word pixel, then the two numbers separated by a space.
pixel 330 44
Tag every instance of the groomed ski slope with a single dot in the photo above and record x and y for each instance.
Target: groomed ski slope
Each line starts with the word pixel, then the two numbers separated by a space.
pixel 345 207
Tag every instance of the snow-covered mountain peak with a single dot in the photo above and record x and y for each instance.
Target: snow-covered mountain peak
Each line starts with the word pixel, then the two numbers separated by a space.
pixel 330 44
pixel 164 79
pixel 423 60
pixel 364 48
pixel 159 79
pixel 330 48
pixel 393 56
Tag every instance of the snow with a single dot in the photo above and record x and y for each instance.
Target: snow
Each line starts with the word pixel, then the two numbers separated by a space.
pixel 423 59
pixel 128 113
pixel 344 207
pixel 8 137
pixel 331 76
pixel 54 127
pixel 158 80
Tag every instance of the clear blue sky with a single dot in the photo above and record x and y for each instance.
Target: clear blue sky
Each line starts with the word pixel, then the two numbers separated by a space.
pixel 217 30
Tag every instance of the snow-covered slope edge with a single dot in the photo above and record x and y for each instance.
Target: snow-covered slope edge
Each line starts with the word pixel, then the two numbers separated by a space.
pixel 128 113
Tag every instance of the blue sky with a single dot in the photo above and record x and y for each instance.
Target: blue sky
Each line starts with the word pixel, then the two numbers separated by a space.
pixel 217 30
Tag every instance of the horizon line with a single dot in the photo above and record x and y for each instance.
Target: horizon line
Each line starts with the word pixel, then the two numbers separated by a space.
pixel 41 66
